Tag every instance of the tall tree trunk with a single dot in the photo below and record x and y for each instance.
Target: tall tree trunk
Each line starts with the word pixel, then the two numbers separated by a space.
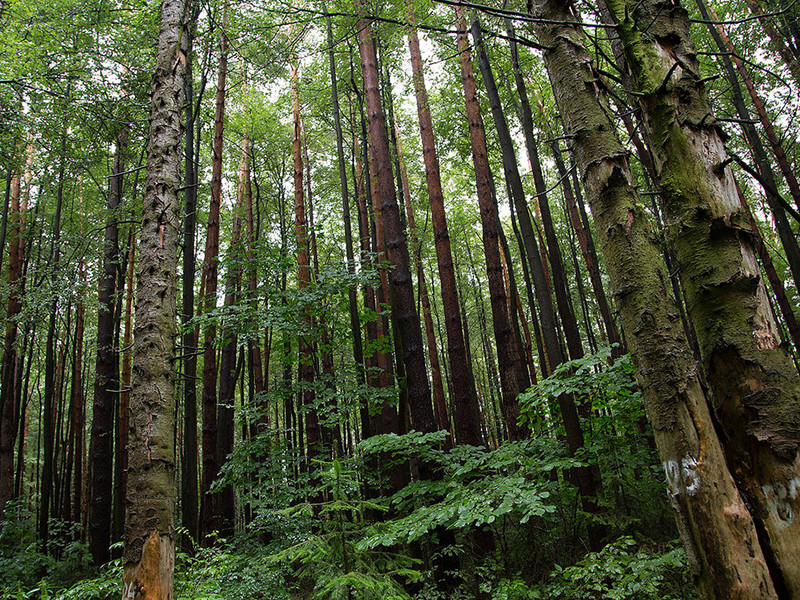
pixel 403 305
pixel 510 360
pixel 464 398
pixel 769 130
pixel 754 384
pixel 46 482
pixel 211 276
pixel 569 413
pixel 189 467
pixel 149 554
pixel 20 396
pixel 778 42
pixel 123 415
pixel 226 507
pixel 772 276
pixel 787 236
pixel 370 356
pixel 355 327
pixel 260 375
pixel 440 412
pixel 106 377
pixel 8 395
pixel 78 411
pixel 306 349
pixel 723 552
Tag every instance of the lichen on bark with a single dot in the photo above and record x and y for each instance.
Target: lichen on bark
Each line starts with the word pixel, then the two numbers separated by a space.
pixel 753 383
pixel 149 553
pixel 715 525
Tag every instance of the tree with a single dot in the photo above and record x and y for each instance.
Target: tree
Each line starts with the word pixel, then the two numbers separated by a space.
pixel 702 489
pixel 149 554
pixel 464 398
pixel 106 377
pixel 748 370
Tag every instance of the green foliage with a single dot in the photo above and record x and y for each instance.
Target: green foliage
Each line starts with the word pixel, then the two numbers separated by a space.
pixel 622 570
pixel 240 571
pixel 331 558
pixel 23 565
pixel 617 438
pixel 475 489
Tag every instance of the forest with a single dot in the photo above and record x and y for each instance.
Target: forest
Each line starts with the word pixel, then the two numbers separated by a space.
pixel 430 299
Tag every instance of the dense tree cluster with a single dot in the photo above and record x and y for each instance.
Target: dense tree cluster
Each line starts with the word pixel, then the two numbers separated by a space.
pixel 418 299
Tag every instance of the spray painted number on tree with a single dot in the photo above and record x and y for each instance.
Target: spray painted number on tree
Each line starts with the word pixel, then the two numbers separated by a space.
pixel 682 477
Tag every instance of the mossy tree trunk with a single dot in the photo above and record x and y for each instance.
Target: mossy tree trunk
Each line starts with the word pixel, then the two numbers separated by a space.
pixel 755 387
pixel 715 526
pixel 149 554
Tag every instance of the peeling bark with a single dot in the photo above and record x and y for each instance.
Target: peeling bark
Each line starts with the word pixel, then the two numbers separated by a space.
pixel 755 388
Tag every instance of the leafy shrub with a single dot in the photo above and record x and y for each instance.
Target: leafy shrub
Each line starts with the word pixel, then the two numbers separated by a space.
pixel 623 570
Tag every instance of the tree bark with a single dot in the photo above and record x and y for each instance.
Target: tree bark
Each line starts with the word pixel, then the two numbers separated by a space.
pixel 464 398
pixel 769 130
pixel 8 395
pixel 754 384
pixel 78 412
pixel 149 554
pixel 226 507
pixel 189 467
pixel 787 237
pixel 50 388
pixel 355 326
pixel 403 305
pixel 440 412
pixel 777 40
pixel 510 363
pixel 719 535
pixel 123 419
pixel 211 277
pixel 312 431
pixel 772 276
pixel 106 376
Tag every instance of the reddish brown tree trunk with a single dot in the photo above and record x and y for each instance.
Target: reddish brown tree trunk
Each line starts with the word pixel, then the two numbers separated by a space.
pixel 509 358
pixel 211 277
pixel 464 397
pixel 225 506
pixel 8 394
pixel 439 403
pixel 106 378
pixel 769 130
pixel 312 431
pixel 403 305
pixel 78 411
